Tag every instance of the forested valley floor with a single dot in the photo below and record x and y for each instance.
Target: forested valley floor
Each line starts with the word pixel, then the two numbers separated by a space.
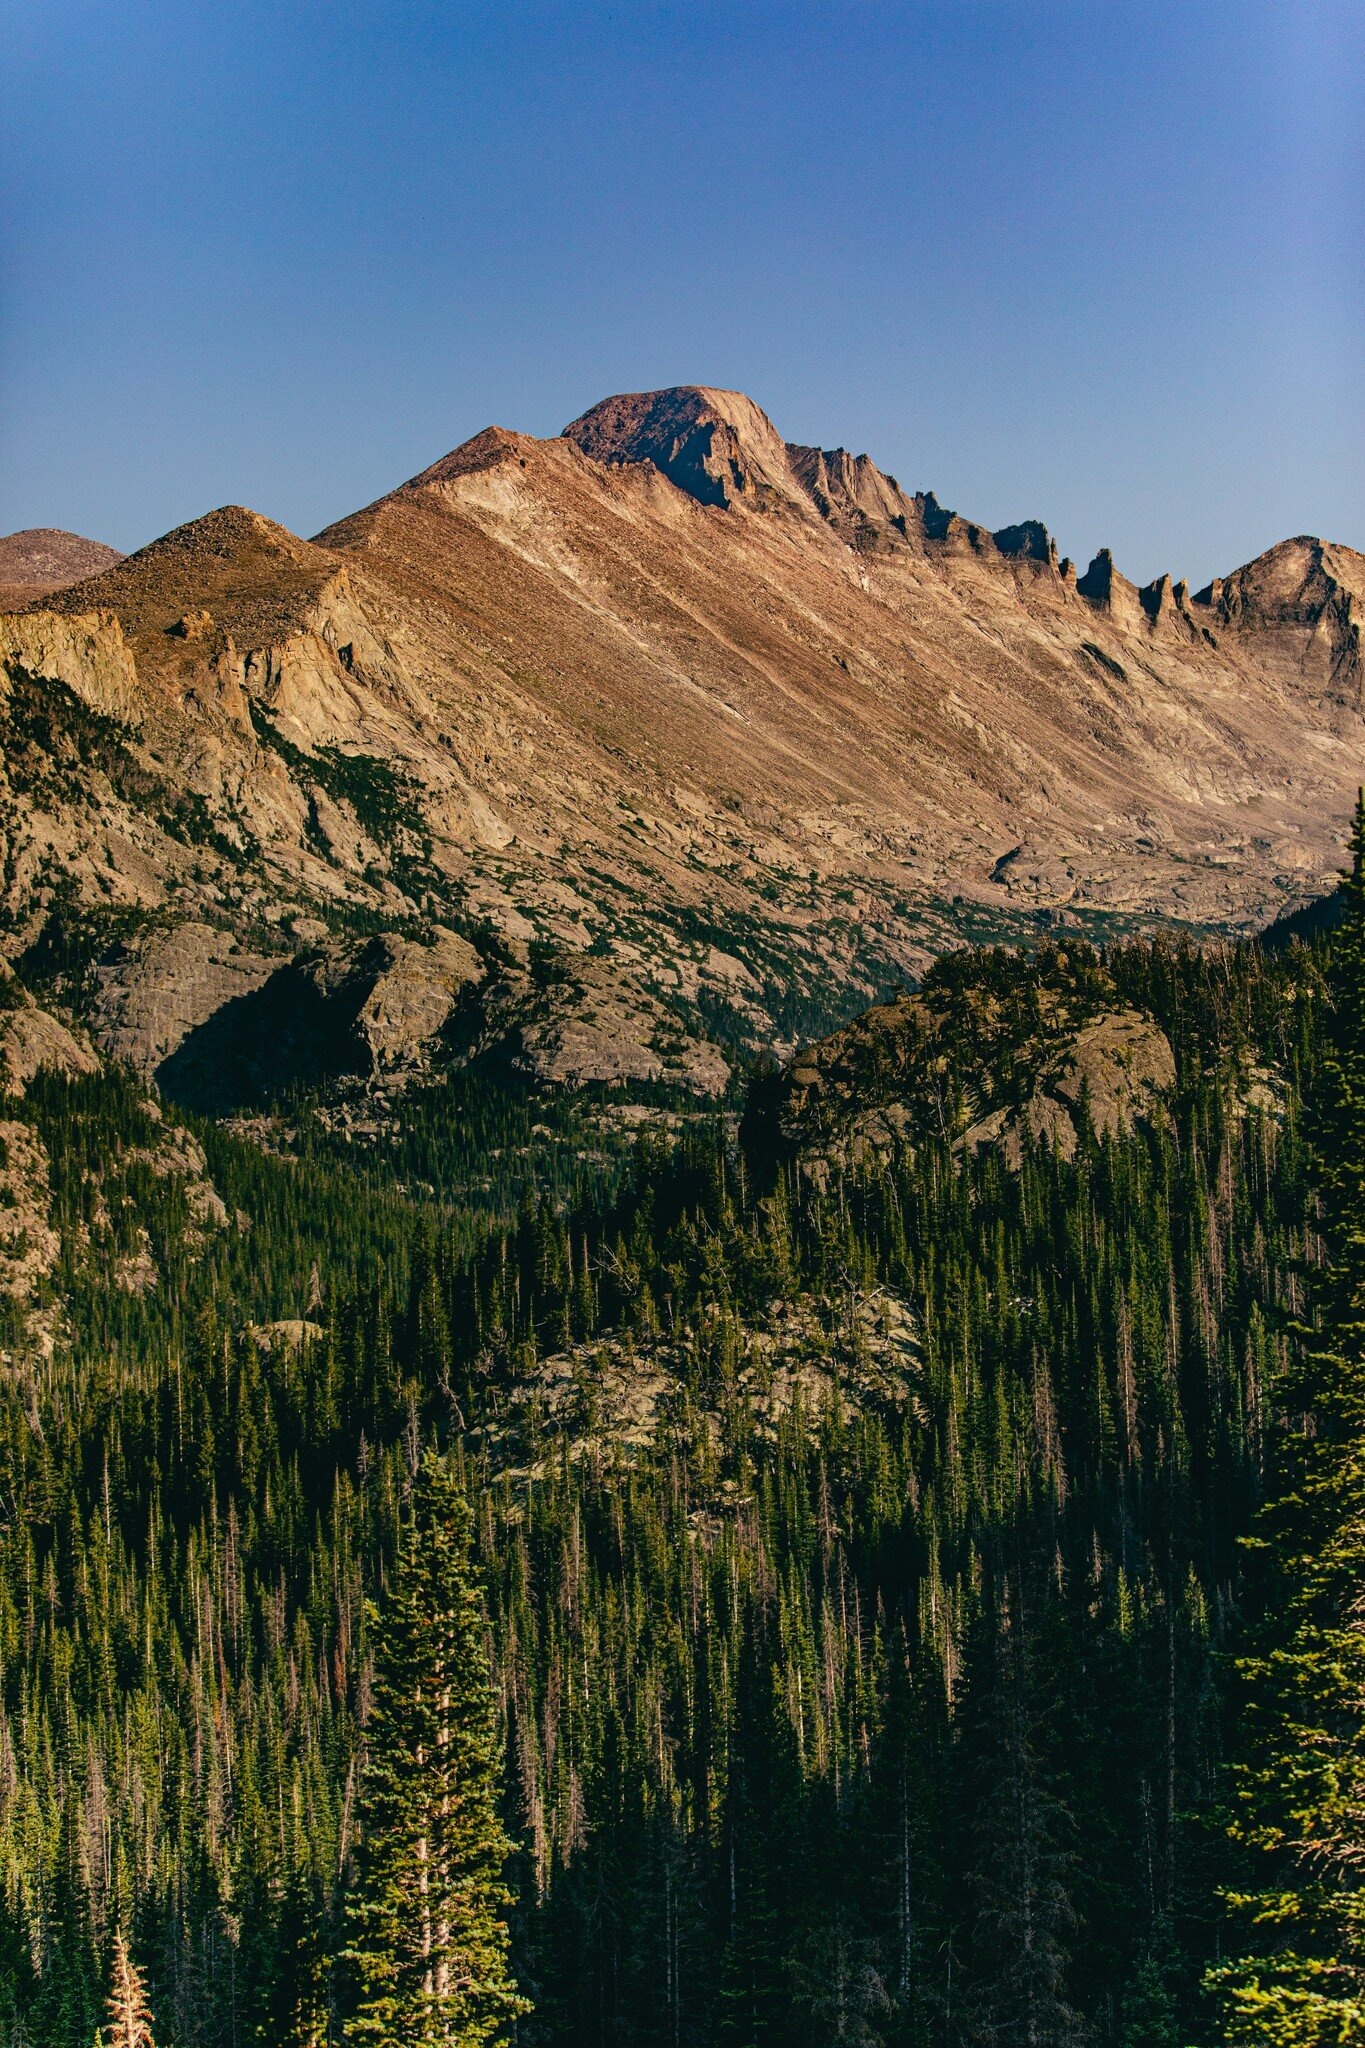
pixel 873 1685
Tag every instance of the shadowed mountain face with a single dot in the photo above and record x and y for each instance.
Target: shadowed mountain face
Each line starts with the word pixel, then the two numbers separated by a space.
pixel 740 725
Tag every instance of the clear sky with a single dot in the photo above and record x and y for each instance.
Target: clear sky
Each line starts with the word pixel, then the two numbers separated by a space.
pixel 1101 263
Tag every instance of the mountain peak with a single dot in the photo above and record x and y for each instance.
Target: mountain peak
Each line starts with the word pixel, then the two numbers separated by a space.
pixel 1302 583
pixel 249 575
pixel 484 450
pixel 724 451
pixel 718 446
pixel 41 559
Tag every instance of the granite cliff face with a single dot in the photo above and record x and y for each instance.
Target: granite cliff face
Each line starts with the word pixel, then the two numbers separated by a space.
pixel 688 733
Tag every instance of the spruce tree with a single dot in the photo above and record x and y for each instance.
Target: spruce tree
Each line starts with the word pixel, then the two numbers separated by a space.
pixel 1020 1861
pixel 1148 2003
pixel 1302 1785
pixel 130 2016
pixel 427 1941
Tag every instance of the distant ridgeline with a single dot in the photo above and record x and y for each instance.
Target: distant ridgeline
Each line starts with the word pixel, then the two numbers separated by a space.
pixel 858 1503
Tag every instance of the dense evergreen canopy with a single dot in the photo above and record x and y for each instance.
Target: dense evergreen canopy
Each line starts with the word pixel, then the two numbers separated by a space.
pixel 1301 1787
pixel 850 1704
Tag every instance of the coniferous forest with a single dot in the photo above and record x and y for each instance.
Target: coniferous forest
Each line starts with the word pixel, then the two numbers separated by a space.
pixel 1001 1685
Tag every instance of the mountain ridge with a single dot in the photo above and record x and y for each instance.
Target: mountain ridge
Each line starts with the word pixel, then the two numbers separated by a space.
pixel 741 719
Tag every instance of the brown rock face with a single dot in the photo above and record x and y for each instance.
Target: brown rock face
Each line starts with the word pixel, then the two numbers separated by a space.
pixel 577 1021
pixel 155 994
pixel 223 1028
pixel 742 724
pixel 411 998
pixel 29 1246
pixel 87 651
pixel 32 1040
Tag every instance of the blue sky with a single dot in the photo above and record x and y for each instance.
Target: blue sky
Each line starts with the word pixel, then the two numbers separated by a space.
pixel 1101 264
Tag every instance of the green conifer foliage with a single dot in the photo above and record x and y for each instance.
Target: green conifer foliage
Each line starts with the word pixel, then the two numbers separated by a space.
pixel 427 1940
pixel 778 1771
pixel 1024 1914
pixel 1301 1789
pixel 1149 2014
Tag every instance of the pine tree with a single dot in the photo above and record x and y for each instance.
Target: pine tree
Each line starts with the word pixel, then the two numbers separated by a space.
pixel 1148 2004
pixel 1302 1787
pixel 1021 1866
pixel 427 1941
pixel 130 2016
pixel 839 1992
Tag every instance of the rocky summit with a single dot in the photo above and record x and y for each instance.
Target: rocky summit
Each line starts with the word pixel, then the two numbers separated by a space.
pixel 605 755
pixel 42 559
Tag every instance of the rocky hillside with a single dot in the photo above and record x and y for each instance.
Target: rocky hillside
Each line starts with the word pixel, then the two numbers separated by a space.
pixel 1002 1051
pixel 42 559
pixel 597 754
pixel 99 1190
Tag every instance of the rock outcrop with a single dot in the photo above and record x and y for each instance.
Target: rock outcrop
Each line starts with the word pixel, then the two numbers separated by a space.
pixel 85 651
pixel 29 1245
pixel 224 1031
pixel 154 993
pixel 1115 1072
pixel 1036 1051
pixel 575 1022
pixel 32 1041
